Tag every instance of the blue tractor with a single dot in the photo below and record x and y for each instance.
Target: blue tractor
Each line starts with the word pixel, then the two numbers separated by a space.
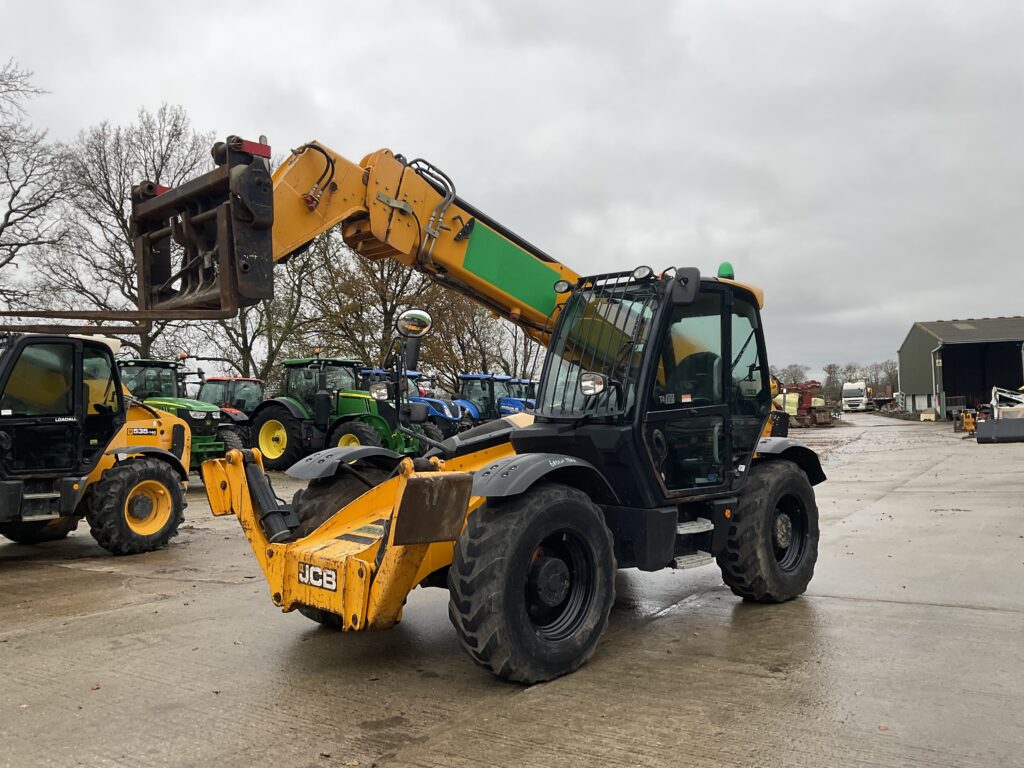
pixel 446 415
pixel 486 396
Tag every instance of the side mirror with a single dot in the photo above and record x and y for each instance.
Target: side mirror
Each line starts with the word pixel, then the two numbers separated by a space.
pixel 593 383
pixel 414 323
pixel 379 390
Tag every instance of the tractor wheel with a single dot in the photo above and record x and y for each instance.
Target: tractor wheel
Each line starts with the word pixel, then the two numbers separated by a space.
pixel 433 432
pixel 136 506
pixel 315 504
pixel 278 435
pixel 39 531
pixel 532 583
pixel 354 433
pixel 772 542
pixel 231 438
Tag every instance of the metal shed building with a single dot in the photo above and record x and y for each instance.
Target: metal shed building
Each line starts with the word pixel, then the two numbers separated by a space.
pixel 947 364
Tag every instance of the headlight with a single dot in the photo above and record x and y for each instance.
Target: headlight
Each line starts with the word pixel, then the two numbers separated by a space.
pixel 215 415
pixel 197 415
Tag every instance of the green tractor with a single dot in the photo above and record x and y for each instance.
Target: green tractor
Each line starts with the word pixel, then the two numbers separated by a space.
pixel 323 406
pixel 160 384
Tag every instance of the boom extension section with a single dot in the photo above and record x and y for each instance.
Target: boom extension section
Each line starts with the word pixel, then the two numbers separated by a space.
pixel 389 207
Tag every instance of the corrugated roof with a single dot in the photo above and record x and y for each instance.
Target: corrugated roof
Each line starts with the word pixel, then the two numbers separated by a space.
pixel 976 330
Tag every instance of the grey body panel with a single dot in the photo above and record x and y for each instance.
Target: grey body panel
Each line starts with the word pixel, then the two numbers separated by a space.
pixel 769 448
pixel 513 475
pixel 325 463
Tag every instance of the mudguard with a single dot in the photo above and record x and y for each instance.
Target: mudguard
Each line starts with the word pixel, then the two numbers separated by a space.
pixel 325 463
pixel 769 448
pixel 150 450
pixel 234 415
pixel 293 409
pixel 470 408
pixel 515 474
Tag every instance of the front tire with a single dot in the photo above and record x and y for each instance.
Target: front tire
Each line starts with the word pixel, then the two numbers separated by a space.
pixel 136 506
pixel 351 433
pixel 432 432
pixel 231 438
pixel 315 505
pixel 278 435
pixel 532 583
pixel 772 542
pixel 39 531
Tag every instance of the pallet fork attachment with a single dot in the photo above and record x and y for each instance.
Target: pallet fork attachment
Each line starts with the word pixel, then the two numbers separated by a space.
pixel 202 250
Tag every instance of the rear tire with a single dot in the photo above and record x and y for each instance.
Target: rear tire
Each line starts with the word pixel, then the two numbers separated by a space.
pixel 278 436
pixel 772 542
pixel 314 505
pixel 39 531
pixel 532 583
pixel 352 433
pixel 136 506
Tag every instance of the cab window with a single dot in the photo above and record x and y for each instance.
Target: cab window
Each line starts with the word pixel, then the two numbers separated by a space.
pixel 690 357
pixel 41 382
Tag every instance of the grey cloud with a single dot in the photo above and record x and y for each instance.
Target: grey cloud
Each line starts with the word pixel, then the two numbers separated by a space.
pixel 858 160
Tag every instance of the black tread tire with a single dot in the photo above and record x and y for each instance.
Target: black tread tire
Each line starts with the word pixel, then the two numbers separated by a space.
pixel 748 563
pixel 363 432
pixel 293 450
pixel 231 438
pixel 315 504
pixel 433 432
pixel 105 503
pixel 38 531
pixel 486 578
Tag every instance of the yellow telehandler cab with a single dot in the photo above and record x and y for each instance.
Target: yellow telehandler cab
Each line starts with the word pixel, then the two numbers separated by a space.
pixel 73 446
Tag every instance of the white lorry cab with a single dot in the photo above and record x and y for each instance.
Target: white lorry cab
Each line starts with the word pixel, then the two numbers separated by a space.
pixel 857 396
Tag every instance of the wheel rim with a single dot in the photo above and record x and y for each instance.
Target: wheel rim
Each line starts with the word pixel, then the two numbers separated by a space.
pixel 348 439
pixel 148 507
pixel 273 439
pixel 559 586
pixel 789 532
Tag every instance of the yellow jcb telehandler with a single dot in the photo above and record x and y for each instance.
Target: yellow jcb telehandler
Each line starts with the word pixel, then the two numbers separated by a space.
pixel 73 446
pixel 650 445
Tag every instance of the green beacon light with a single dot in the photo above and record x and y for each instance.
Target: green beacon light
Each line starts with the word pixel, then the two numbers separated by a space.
pixel 726 272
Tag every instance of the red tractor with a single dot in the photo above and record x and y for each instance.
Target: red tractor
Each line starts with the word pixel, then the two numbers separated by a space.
pixel 236 396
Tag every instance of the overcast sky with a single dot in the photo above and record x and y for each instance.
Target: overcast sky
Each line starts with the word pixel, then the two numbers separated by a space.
pixel 861 161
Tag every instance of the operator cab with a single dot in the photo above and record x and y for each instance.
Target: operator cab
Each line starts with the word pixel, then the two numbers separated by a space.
pixel 61 403
pixel 660 382
pixel 307 376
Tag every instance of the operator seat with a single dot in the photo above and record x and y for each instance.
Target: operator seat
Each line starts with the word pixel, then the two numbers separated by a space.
pixel 698 375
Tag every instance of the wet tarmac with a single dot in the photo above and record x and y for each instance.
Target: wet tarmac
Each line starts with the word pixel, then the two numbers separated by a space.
pixel 908 649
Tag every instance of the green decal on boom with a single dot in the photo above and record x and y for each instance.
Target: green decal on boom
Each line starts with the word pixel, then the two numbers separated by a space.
pixel 509 268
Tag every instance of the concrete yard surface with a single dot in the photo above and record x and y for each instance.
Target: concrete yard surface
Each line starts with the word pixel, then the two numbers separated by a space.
pixel 908 649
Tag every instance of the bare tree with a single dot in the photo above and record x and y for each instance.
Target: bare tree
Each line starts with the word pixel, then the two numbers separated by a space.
pixel 94 267
pixel 790 374
pixel 833 383
pixel 252 343
pixel 31 178
pixel 355 301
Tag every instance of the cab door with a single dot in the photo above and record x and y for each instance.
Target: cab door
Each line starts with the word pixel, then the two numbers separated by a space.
pixel 40 403
pixel 687 422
